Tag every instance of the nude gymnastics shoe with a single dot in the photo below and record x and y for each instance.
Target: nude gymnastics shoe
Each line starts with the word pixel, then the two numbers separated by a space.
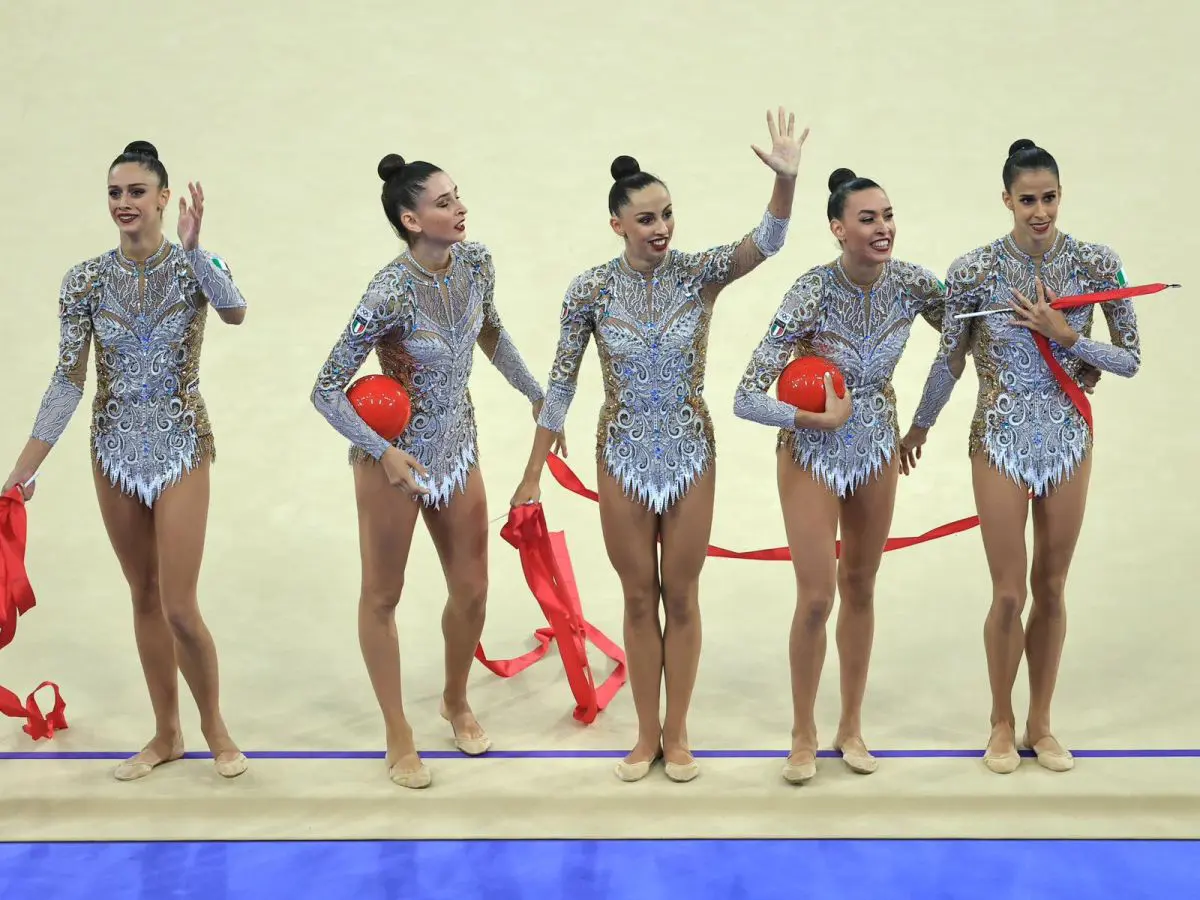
pixel 682 772
pixel 628 771
pixel 857 757
pixel 476 746
pixel 799 773
pixel 1050 753
pixel 142 764
pixel 415 779
pixel 233 766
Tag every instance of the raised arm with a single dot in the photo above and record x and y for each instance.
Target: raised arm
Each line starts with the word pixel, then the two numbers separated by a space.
pixel 496 343
pixel 216 285
pixel 68 379
pixel 723 265
pixel 385 310
pixel 797 319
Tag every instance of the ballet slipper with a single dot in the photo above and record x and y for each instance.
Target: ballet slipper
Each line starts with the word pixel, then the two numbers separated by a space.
pixel 800 772
pixel 415 779
pixel 1050 753
pixel 473 746
pixel 856 756
pixel 636 771
pixel 139 765
pixel 231 766
pixel 682 772
pixel 1001 763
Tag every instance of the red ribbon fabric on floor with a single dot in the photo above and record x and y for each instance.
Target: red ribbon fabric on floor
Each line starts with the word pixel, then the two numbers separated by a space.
pixel 564 476
pixel 547 566
pixel 16 599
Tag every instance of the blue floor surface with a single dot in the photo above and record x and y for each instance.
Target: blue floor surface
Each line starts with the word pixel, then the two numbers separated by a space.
pixel 603 870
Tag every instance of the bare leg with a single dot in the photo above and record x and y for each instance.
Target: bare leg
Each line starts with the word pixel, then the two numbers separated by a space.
pixel 686 527
pixel 1057 522
pixel 460 534
pixel 866 520
pixel 810 518
pixel 386 521
pixel 130 527
pixel 180 525
pixel 1003 508
pixel 631 539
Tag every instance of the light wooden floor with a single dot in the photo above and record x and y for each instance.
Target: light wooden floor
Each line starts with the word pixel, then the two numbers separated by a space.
pixel 283 112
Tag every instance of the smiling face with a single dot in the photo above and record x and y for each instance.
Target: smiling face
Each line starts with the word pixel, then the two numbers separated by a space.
pixel 1034 199
pixel 647 223
pixel 867 227
pixel 136 200
pixel 440 216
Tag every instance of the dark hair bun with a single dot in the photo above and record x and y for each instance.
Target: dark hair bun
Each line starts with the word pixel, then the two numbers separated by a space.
pixel 1022 144
pixel 142 148
pixel 390 166
pixel 623 167
pixel 840 177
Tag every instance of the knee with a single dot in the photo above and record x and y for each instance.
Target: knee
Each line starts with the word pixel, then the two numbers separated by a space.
pixel 856 584
pixel 682 604
pixel 147 601
pixel 184 621
pixel 381 599
pixel 641 606
pixel 813 606
pixel 468 596
pixel 1049 593
pixel 1008 602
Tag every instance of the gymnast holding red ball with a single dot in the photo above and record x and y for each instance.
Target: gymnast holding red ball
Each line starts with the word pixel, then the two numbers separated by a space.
pixel 847 323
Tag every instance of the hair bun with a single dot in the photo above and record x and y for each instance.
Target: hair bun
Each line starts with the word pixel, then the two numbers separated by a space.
pixel 142 148
pixel 1022 144
pixel 840 177
pixel 390 166
pixel 623 167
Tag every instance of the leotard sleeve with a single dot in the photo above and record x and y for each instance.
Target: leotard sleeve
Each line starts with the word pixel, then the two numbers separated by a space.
pixel 67 382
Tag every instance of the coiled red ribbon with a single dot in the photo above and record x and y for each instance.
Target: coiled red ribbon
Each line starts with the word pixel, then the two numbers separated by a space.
pixel 16 599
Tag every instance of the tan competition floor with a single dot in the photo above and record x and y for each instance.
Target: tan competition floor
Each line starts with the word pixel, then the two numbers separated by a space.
pixel 283 111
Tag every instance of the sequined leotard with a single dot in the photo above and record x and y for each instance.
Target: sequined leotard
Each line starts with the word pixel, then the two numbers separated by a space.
pixel 424 328
pixel 146 320
pixel 863 333
pixel 655 434
pixel 1023 421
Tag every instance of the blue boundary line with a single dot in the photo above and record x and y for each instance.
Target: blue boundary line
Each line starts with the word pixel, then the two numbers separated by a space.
pixel 591 754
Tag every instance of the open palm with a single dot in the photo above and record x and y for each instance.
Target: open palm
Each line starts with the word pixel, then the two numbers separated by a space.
pixel 189 217
pixel 784 156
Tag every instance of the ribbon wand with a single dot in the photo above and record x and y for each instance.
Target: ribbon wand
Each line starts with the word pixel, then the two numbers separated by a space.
pixel 1085 299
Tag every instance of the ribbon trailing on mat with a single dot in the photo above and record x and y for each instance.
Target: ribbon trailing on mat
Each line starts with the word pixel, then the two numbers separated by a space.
pixel 16 599
pixel 547 566
pixel 564 476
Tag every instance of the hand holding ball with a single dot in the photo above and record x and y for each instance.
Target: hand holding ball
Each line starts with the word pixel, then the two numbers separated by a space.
pixel 802 383
pixel 382 403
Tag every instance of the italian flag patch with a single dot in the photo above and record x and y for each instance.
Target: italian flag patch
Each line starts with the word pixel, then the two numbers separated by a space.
pixel 219 263
pixel 1121 279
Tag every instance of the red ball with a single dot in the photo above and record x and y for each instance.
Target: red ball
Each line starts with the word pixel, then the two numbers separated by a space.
pixel 382 403
pixel 802 383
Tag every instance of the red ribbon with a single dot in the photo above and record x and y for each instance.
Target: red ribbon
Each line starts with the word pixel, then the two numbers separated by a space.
pixel 547 566
pixel 16 599
pixel 1073 391
pixel 564 476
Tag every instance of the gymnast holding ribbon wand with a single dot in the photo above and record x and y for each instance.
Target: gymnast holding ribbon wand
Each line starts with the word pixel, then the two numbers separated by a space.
pixel 1022 306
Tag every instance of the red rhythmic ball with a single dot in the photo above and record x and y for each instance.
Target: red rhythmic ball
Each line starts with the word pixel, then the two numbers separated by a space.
pixel 382 403
pixel 802 383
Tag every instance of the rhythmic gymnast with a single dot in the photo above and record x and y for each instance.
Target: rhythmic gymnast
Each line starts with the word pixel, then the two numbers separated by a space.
pixel 840 465
pixel 649 310
pixel 423 314
pixel 144 305
pixel 1026 435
